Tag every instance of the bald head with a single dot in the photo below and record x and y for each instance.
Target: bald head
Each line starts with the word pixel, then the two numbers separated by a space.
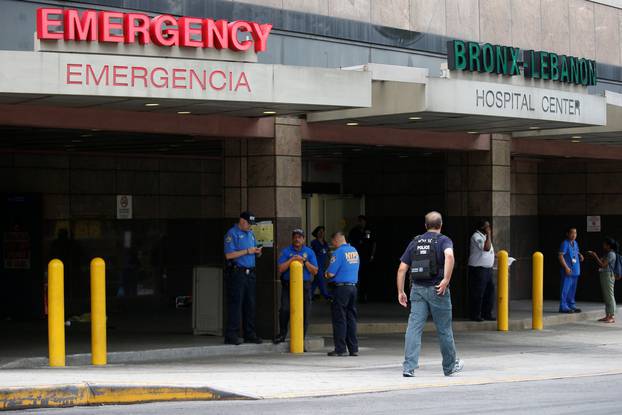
pixel 338 239
pixel 433 221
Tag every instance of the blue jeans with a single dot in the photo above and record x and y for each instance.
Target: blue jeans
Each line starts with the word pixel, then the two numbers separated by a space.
pixel 424 301
pixel 568 291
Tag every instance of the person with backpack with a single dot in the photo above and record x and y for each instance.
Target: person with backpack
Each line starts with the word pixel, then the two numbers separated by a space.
pixel 430 260
pixel 610 269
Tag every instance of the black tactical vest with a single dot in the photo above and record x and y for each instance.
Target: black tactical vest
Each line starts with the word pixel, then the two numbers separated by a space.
pixel 423 260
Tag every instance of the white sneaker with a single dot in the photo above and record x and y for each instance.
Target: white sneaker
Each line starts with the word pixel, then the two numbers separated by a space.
pixel 458 366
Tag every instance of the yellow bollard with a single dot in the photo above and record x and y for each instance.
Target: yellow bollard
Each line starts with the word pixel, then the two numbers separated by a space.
pixel 98 312
pixel 502 291
pixel 56 313
pixel 537 290
pixel 296 308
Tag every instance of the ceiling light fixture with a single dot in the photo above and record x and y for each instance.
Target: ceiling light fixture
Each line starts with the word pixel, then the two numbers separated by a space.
pixel 576 137
pixel 269 112
pixel 151 104
pixel 352 124
pixel 534 127
pixel 183 112
pixel 575 141
pixel 471 132
pixel 414 118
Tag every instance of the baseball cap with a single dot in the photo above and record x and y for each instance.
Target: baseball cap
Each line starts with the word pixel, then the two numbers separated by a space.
pixel 249 217
pixel 298 231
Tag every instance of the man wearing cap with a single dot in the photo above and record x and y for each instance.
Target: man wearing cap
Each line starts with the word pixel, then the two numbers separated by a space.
pixel 299 252
pixel 342 275
pixel 240 251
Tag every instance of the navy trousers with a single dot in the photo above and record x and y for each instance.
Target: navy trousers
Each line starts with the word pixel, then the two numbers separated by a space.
pixel 240 303
pixel 344 315
pixel 481 292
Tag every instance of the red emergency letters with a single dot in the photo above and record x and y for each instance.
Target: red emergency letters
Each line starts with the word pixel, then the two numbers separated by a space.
pixel 163 30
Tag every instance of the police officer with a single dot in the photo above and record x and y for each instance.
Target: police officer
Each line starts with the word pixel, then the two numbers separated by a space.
pixel 363 239
pixel 297 251
pixel 342 274
pixel 240 252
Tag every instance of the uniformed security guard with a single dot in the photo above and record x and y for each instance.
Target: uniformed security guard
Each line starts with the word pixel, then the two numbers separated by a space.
pixel 297 251
pixel 240 252
pixel 342 274
pixel 363 239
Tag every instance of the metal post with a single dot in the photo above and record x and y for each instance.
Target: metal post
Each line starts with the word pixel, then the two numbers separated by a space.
pixel 538 290
pixel 502 291
pixel 296 308
pixel 98 311
pixel 56 313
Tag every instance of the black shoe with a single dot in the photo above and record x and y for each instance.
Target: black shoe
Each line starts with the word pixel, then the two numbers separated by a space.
pixel 576 310
pixel 279 339
pixel 566 311
pixel 478 319
pixel 336 353
pixel 237 341
pixel 255 340
pixel 490 318
pixel 354 353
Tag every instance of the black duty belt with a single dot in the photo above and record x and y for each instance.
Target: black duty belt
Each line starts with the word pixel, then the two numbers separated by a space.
pixel 243 269
pixel 342 284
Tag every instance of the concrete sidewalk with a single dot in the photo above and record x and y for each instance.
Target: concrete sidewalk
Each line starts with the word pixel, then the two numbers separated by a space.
pixel 572 350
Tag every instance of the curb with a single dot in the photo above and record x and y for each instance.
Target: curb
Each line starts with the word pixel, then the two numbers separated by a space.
pixel 85 394
pixel 517 324
pixel 178 353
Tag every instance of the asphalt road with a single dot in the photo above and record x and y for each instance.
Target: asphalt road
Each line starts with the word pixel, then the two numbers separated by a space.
pixel 584 395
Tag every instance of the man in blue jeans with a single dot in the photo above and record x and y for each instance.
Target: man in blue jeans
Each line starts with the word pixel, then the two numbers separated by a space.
pixel 430 260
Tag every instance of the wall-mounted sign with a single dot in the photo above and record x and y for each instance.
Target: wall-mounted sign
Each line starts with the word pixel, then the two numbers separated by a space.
pixel 124 207
pixel 507 60
pixel 264 233
pixel 164 30
pixel 593 224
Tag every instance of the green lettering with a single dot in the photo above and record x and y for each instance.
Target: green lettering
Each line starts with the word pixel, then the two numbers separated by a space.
pixel 514 68
pixel 456 57
pixel 574 70
pixel 488 58
pixel 544 65
pixel 591 70
pixel 564 71
pixel 554 62
pixel 474 59
pixel 583 71
pixel 501 55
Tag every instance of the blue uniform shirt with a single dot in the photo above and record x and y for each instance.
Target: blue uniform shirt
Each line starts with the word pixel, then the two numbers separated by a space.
pixel 238 240
pixel 344 265
pixel 321 252
pixel 304 252
pixel 571 257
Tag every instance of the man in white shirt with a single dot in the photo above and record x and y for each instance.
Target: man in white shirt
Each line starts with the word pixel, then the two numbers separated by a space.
pixel 481 261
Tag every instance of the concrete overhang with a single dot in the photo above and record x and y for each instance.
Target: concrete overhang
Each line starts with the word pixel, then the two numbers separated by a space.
pixel 172 85
pixel 408 98
pixel 610 134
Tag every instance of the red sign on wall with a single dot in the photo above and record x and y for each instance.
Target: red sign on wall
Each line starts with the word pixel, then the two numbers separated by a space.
pixel 163 30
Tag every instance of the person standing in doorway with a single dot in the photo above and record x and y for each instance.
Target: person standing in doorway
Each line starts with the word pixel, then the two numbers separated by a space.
pixel 296 252
pixel 240 252
pixel 342 274
pixel 363 239
pixel 321 249
pixel 606 265
pixel 481 261
pixel 430 259
pixel 569 258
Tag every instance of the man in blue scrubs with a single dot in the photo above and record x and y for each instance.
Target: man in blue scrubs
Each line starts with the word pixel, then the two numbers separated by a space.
pixel 343 274
pixel 298 252
pixel 240 252
pixel 569 258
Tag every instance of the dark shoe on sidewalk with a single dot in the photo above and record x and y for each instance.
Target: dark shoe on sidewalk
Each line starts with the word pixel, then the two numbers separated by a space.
pixel 255 340
pixel 566 311
pixel 576 310
pixel 336 353
pixel 354 353
pixel 279 339
pixel 235 341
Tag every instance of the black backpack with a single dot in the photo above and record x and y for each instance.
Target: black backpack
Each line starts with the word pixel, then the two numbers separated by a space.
pixel 423 262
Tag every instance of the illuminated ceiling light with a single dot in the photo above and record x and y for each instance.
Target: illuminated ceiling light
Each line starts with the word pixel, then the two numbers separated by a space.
pixel 414 118
pixel 151 104
pixel 352 124
pixel 471 132
pixel 576 137
pixel 534 127
pixel 575 141
pixel 269 113
pixel 183 112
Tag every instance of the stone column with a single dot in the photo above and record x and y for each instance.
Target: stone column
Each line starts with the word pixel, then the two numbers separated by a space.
pixel 478 187
pixel 264 176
